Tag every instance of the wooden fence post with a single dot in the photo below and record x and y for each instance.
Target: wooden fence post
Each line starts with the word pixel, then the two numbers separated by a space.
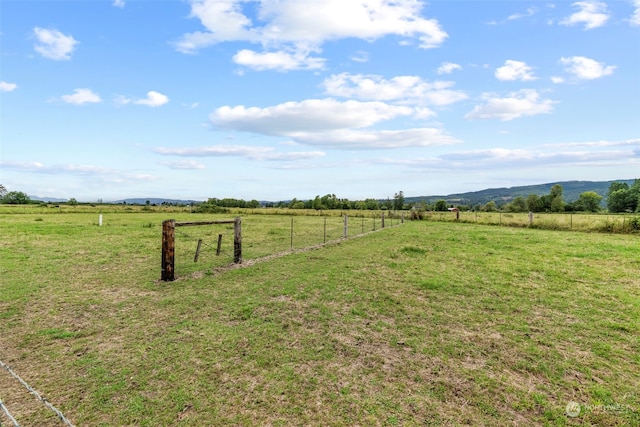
pixel 168 250
pixel 219 245
pixel 346 227
pixel 382 221
pixel 237 240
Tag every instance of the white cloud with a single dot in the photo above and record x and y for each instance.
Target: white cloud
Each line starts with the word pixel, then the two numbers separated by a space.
pixel 530 12
pixel 401 88
pixel 586 68
pixel 153 99
pixel 592 14
pixel 7 87
pixel 184 165
pixel 118 3
pixel 376 139
pixel 279 61
pixel 97 172
pixel 509 159
pixel 526 102
pixel 361 56
pixel 331 123
pixel 304 26
pixel 312 115
pixel 514 70
pixel 557 79
pixel 52 44
pixel 248 152
pixel 82 96
pixel 448 68
pixel 635 18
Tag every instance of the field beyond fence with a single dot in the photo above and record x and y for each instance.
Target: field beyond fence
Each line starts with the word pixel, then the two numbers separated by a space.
pixel 430 322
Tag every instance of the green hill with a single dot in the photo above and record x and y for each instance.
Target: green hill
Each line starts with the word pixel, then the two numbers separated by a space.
pixel 571 192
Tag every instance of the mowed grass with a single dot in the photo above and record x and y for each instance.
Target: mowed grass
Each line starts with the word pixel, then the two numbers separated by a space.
pixel 424 324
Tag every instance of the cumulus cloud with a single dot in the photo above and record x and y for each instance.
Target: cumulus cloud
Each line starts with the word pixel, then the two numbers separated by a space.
pixel 7 87
pixel 514 70
pixel 308 115
pixel 592 13
pixel 408 89
pixel 635 17
pixel 279 61
pixel 330 123
pixel 82 96
pixel 295 26
pixel 52 44
pixel 153 99
pixel 448 68
pixel 248 152
pixel 526 102
pixel 586 68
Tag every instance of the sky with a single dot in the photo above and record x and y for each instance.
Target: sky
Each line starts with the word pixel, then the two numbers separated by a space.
pixel 281 99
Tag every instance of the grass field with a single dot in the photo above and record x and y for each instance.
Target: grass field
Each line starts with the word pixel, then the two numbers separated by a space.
pixel 428 323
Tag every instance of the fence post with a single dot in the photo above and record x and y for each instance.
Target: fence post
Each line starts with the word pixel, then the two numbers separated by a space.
pixel 325 231
pixel 402 218
pixel 346 227
pixel 168 250
pixel 382 221
pixel 219 245
pixel 195 257
pixel 530 219
pixel 237 240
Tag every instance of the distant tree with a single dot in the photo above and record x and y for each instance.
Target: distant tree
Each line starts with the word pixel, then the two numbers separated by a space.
pixel 441 205
pixel 490 207
pixel 398 201
pixel 534 203
pixel 16 198
pixel 556 202
pixel 3 190
pixel 72 201
pixel 589 201
pixel 517 205
pixel 622 198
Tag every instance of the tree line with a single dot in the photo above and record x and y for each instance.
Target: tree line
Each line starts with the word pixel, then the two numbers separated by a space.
pixel 621 197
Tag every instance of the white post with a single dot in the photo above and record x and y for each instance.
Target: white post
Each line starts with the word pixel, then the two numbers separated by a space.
pixel 100 220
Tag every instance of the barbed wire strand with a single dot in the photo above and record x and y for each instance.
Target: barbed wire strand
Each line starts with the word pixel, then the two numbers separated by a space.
pixel 37 395
pixel 6 411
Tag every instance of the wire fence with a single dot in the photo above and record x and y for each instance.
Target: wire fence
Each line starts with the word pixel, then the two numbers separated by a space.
pixel 608 223
pixel 31 390
pixel 199 249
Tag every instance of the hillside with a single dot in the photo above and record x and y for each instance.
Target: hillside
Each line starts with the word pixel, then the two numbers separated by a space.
pixel 571 192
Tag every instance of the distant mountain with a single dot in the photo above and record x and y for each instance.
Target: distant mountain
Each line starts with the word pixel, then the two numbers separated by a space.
pixel 48 199
pixel 155 201
pixel 571 192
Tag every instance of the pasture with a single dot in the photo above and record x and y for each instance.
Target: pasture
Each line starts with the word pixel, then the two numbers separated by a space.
pixel 426 323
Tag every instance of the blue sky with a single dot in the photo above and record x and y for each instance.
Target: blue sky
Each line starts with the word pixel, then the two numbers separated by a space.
pixel 275 99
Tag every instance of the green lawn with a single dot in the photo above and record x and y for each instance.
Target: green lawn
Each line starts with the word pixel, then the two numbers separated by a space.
pixel 427 323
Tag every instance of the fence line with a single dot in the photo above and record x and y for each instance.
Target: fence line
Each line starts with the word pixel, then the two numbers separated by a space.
pixel 37 395
pixel 277 233
pixel 6 411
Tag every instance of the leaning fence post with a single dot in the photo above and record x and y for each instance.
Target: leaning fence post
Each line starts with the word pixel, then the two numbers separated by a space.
pixel 168 250
pixel 237 240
